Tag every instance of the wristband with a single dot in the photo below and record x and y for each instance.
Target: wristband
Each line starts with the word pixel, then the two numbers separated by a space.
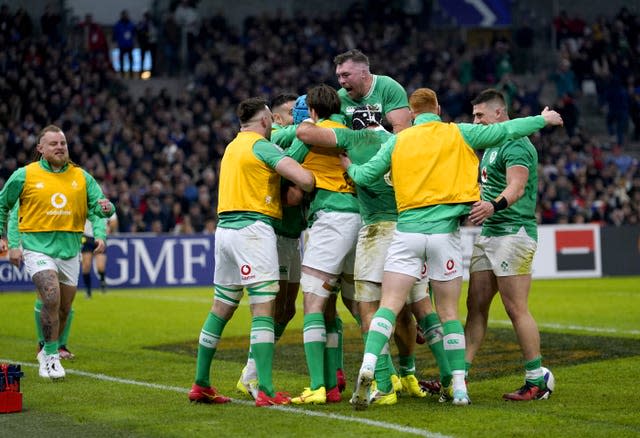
pixel 500 205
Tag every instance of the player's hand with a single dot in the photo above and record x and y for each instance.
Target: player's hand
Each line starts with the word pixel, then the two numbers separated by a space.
pixel 15 257
pixel 480 211
pixel 3 246
pixel 105 205
pixel 101 246
pixel 292 196
pixel 551 117
pixel 344 160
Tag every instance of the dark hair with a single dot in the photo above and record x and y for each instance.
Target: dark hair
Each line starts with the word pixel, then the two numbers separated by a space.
pixel 249 108
pixel 489 95
pixel 354 55
pixel 324 100
pixel 281 99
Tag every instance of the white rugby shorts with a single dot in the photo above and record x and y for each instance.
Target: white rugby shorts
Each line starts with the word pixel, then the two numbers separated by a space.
pixel 331 242
pixel 68 270
pixel 504 255
pixel 245 256
pixel 442 253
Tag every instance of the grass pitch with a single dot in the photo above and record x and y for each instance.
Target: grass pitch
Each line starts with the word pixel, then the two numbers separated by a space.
pixel 135 361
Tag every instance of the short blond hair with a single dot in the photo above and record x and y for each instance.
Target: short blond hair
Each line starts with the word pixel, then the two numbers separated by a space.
pixel 48 128
pixel 423 100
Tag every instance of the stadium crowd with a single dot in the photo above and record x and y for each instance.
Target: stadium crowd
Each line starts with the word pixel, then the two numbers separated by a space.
pixel 158 156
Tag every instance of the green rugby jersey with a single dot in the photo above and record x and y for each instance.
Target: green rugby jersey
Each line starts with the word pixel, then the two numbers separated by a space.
pixel 493 176
pixel 385 95
pixel 377 201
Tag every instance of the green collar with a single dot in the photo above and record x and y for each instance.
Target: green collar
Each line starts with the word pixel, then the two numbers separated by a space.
pixel 44 163
pixel 426 118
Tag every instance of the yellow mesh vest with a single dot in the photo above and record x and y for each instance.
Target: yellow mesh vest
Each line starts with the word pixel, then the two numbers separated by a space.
pixel 247 183
pixel 325 165
pixel 53 201
pixel 432 164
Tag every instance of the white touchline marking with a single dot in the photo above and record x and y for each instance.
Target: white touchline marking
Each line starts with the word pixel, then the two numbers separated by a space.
pixel 291 410
pixel 574 327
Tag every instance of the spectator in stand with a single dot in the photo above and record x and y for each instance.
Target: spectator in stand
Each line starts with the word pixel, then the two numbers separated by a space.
pixel 50 24
pixel 634 111
pixel 6 21
pixel 171 44
pixel 124 32
pixel 147 34
pixel 618 102
pixel 188 18
pixel 22 24
pixel 564 79
pixel 121 135
pixel 562 25
pixel 95 42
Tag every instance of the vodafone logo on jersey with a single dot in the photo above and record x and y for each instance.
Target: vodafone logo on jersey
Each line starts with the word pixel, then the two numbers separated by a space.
pixel 245 271
pixel 450 268
pixel 58 200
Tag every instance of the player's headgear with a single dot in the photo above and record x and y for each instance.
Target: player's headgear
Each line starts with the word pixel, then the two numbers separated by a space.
pixel 365 116
pixel 300 109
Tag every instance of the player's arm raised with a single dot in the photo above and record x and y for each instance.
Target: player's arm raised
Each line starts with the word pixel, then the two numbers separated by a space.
pixel 310 133
pixel 399 118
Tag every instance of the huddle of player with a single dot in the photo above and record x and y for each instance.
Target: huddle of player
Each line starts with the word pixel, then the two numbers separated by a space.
pixel 379 213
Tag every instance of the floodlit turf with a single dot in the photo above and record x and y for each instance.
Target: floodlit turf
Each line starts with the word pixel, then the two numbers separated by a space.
pixel 136 360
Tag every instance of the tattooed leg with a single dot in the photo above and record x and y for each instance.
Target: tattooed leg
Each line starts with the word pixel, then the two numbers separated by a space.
pixel 46 283
pixel 67 294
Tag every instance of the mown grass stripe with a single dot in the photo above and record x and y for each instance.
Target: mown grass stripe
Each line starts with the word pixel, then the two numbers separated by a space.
pixel 563 327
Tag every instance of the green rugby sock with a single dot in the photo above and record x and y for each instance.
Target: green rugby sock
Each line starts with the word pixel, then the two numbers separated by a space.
pixel 454 345
pixel 432 329
pixel 64 336
pixel 262 346
pixel 380 331
pixel 36 313
pixel 315 340
pixel 207 345
pixel 331 355
pixel 407 365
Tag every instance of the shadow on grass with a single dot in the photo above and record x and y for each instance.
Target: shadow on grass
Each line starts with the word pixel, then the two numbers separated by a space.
pixel 499 356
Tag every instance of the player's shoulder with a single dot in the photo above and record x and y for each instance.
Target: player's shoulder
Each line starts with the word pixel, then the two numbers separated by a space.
pixel 520 146
pixel 387 81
